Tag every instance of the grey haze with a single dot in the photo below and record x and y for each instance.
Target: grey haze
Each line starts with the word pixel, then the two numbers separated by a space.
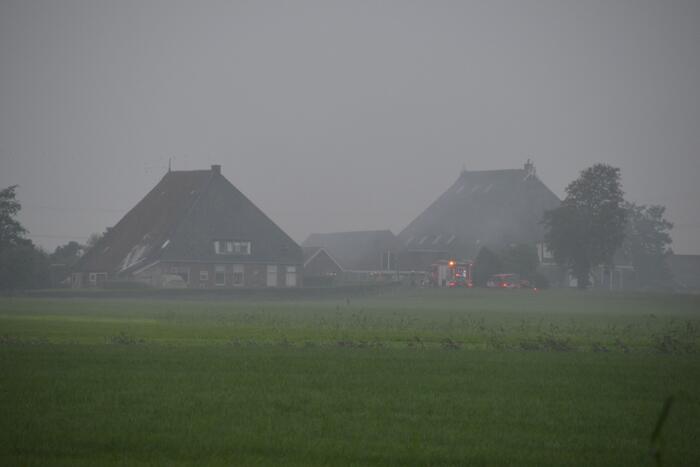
pixel 342 115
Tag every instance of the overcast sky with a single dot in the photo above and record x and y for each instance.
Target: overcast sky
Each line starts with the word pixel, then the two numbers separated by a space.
pixel 342 115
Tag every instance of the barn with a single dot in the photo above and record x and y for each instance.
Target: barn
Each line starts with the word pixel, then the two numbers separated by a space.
pixel 363 256
pixel 194 229
pixel 487 207
pixel 320 268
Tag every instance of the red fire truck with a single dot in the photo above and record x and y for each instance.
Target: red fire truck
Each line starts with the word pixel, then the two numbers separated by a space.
pixel 451 273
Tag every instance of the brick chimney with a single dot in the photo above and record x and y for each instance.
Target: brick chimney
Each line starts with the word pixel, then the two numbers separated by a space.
pixel 216 169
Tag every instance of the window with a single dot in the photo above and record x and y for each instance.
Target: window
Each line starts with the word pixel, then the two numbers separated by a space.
pixel 220 275
pixel 238 275
pixel 232 247
pixel 291 276
pixel 242 248
pixel 272 276
pixel 203 276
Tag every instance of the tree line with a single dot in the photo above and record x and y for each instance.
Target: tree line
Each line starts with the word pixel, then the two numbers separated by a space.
pixel 23 264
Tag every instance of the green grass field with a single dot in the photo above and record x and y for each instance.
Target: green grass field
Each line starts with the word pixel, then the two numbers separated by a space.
pixel 427 377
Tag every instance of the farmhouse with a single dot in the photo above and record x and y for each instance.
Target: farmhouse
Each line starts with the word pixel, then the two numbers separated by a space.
pixel 363 256
pixel 490 207
pixel 196 230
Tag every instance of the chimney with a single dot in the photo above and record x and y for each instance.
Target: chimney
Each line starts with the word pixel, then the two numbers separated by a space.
pixel 216 169
pixel 530 169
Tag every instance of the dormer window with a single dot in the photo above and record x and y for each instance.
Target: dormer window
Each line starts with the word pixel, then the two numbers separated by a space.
pixel 232 247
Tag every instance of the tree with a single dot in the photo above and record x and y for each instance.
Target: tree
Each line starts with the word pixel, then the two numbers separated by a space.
pixel 521 259
pixel 589 226
pixel 647 243
pixel 10 228
pixel 67 254
pixel 22 264
pixel 487 264
pixel 93 239
pixel 16 252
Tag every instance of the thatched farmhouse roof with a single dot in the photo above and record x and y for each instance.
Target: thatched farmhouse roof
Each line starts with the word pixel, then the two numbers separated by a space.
pixel 181 218
pixel 489 207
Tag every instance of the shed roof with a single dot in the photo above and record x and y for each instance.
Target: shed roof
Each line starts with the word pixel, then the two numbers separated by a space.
pixel 355 251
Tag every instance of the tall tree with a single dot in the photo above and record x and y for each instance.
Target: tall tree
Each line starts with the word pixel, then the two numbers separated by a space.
pixel 521 259
pixel 22 264
pixel 10 228
pixel 648 243
pixel 487 264
pixel 16 252
pixel 589 226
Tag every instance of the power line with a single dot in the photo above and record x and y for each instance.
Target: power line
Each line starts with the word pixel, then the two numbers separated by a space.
pixel 59 237
pixel 71 208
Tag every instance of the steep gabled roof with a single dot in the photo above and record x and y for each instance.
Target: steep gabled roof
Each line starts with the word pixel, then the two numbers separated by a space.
pixel 138 237
pixel 224 213
pixel 355 251
pixel 179 220
pixel 490 207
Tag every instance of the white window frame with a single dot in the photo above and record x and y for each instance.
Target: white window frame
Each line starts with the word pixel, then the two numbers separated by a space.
pixel 242 248
pixel 219 269
pixel 290 279
pixel 204 276
pixel 233 247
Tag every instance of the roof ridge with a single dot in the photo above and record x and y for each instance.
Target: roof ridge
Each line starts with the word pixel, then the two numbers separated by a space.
pixel 345 232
